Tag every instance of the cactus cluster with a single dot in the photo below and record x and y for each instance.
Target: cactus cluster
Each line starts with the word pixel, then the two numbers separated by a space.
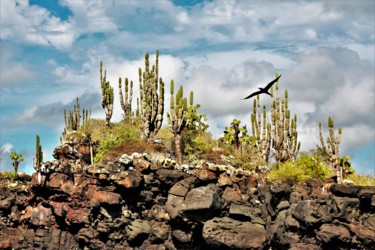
pixel 126 103
pixel 73 119
pixel 179 117
pixel 107 95
pixel 261 130
pixel 332 146
pixel 151 103
pixel 38 154
pixel 283 129
pixel 280 133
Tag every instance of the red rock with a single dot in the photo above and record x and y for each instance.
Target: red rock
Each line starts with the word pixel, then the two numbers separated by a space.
pixel 224 180
pixel 56 180
pixel 35 181
pixel 205 175
pixel 132 180
pixel 106 197
pixel 42 216
pixel 232 194
pixel 141 163
pixel 59 208
pixel 78 216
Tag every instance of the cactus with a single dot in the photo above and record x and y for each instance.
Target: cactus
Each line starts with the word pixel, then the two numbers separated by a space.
pixel 332 147
pixel 73 120
pixel 107 95
pixel 38 154
pixel 178 118
pixel 261 130
pixel 283 129
pixel 126 103
pixel 236 135
pixel 151 103
pixel 17 158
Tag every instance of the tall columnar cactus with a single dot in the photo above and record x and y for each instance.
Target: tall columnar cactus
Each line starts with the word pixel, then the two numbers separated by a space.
pixel 283 129
pixel 107 95
pixel 178 118
pixel 17 158
pixel 332 146
pixel 126 103
pixel 151 105
pixel 73 120
pixel 261 130
pixel 38 154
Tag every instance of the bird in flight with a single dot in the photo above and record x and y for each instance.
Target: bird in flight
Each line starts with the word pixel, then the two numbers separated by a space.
pixel 263 90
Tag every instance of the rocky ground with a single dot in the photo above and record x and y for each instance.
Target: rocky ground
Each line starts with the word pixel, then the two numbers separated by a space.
pixel 143 202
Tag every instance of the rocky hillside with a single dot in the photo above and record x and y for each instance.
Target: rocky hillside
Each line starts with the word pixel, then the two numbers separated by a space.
pixel 144 202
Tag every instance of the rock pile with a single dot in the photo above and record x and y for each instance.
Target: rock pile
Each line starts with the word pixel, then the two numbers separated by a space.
pixel 143 202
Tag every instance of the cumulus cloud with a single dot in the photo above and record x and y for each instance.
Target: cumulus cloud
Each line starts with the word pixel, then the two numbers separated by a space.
pixel 33 24
pixel 52 115
pixel 7 148
pixel 12 71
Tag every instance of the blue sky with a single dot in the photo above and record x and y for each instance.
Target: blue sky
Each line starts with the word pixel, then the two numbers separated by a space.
pixel 222 50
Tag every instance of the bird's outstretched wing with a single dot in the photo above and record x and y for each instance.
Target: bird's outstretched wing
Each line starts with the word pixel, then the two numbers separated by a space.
pixel 269 85
pixel 253 94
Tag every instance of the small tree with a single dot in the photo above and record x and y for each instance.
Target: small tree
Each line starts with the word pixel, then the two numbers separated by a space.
pixel 17 158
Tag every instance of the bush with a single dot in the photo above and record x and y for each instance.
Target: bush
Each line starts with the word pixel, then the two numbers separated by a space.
pixel 288 172
pixel 307 163
pixel 112 137
pixel 198 144
pixel 362 180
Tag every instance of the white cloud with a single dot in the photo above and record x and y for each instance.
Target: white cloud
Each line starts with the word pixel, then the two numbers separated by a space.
pixel 12 71
pixel 33 24
pixel 7 148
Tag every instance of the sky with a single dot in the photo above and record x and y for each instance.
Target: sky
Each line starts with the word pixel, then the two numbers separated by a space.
pixel 222 50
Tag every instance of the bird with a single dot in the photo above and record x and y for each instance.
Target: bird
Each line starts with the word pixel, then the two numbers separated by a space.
pixel 263 90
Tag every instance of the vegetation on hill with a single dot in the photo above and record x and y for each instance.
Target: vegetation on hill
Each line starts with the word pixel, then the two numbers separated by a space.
pixel 273 141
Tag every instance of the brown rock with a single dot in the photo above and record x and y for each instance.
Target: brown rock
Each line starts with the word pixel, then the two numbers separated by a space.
pixel 224 180
pixel 141 164
pixel 7 202
pixel 232 194
pixel 228 233
pixel 137 228
pixel 205 175
pixel 56 180
pixel 59 208
pixel 78 216
pixel 206 197
pixel 328 233
pixel 41 216
pixel 129 180
pixel 106 197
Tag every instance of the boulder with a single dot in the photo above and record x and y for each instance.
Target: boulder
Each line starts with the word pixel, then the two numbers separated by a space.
pixel 344 190
pixel 137 228
pixel 229 233
pixel 329 234
pixel 106 197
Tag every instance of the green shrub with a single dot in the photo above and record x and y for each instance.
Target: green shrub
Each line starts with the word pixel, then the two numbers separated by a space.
pixel 307 163
pixel 288 172
pixel 362 180
pixel 8 175
pixel 112 137
pixel 198 144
